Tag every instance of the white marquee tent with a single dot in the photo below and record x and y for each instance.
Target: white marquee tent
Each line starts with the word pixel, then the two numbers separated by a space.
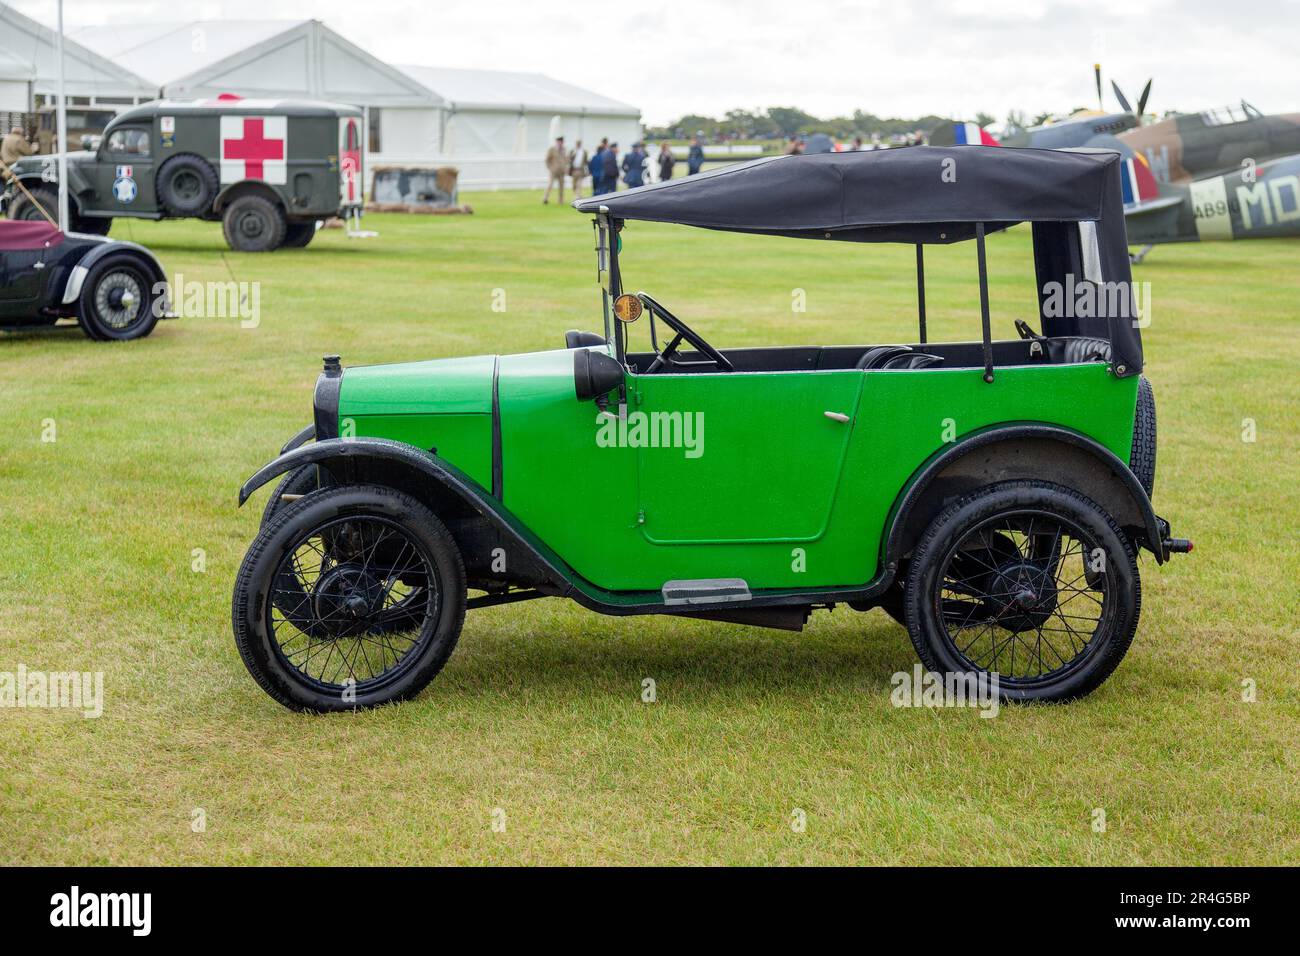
pixel 494 126
pixel 87 75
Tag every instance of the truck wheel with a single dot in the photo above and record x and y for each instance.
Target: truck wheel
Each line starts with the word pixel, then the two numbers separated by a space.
pixel 24 209
pixel 1142 456
pixel 352 556
pixel 298 235
pixel 253 224
pixel 1029 581
pixel 186 185
pixel 118 300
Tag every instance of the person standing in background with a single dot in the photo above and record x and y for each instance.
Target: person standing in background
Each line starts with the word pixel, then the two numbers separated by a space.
pixel 597 167
pixel 578 160
pixel 649 168
pixel 695 158
pixel 795 148
pixel 610 167
pixel 557 167
pixel 15 146
pixel 634 167
pixel 666 161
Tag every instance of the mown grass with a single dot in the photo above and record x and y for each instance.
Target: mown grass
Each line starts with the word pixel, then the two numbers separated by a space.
pixel 539 712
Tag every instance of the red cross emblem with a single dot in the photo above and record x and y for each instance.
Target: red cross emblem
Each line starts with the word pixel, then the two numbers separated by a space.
pixel 254 147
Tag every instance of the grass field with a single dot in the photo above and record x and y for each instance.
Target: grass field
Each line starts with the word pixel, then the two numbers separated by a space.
pixel 539 712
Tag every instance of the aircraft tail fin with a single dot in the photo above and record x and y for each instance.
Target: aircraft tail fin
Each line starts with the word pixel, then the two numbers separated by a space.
pixel 962 134
pixel 1137 181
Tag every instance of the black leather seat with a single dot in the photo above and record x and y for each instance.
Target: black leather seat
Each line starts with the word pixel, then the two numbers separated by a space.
pixel 1083 348
pixel 896 357
pixel 573 339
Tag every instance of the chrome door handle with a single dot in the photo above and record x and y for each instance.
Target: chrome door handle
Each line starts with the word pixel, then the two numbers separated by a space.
pixel 837 416
pixel 38 265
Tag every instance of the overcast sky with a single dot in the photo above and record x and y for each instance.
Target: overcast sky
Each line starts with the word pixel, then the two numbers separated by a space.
pixel 898 58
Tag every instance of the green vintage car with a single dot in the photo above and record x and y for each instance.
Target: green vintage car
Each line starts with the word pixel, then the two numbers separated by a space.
pixel 990 495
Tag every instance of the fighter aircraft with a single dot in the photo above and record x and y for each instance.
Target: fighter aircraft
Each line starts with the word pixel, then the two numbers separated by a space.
pixel 1228 173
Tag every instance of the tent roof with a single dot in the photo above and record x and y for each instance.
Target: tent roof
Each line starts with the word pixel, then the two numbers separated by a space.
pixel 930 194
pixel 86 72
pixel 287 58
pixel 166 52
pixel 13 67
pixel 501 90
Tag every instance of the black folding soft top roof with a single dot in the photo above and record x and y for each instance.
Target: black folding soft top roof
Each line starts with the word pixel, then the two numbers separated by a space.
pixel 919 194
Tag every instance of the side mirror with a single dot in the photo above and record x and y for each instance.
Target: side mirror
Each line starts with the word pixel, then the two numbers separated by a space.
pixel 595 374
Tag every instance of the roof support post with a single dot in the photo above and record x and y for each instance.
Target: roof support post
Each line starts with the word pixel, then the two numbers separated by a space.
pixel 920 288
pixel 616 287
pixel 984 302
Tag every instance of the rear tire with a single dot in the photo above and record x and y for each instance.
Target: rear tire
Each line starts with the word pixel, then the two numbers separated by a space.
pixel 253 224
pixel 1142 456
pixel 346 587
pixel 980 584
pixel 186 186
pixel 298 235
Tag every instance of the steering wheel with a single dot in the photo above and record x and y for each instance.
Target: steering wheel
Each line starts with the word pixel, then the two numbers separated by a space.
pixel 667 355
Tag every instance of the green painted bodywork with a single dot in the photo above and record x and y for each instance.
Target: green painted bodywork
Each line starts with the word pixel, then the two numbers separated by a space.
pixel 769 489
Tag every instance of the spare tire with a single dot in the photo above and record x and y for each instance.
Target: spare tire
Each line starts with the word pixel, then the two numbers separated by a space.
pixel 186 185
pixel 1142 455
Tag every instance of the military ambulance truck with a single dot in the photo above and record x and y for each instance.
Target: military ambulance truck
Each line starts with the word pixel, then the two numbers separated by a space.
pixel 266 169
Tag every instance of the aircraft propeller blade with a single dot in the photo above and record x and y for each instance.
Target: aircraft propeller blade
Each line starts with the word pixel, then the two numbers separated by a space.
pixel 1096 69
pixel 1119 95
pixel 1142 100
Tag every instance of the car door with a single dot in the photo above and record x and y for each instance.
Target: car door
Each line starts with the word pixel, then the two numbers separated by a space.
pixel 124 179
pixel 740 457
pixel 21 273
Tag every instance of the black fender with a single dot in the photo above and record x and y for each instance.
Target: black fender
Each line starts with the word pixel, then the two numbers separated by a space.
pixel 477 520
pixel 111 247
pixel 457 496
pixel 1021 450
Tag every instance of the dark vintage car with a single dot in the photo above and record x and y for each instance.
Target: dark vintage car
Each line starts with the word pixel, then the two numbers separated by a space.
pixel 115 290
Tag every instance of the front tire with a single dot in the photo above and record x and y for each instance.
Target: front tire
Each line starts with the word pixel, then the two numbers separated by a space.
pixel 24 209
pixel 1027 580
pixel 348 635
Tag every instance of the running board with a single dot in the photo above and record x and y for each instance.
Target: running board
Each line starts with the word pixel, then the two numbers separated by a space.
pixel 706 591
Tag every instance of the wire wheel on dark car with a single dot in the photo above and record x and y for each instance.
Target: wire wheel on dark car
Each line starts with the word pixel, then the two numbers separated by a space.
pixel 351 597
pixel 1029 581
pixel 119 299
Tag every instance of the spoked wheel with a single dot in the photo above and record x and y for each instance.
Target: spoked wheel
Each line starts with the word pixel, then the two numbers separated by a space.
pixel 118 300
pixel 1030 581
pixel 351 597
